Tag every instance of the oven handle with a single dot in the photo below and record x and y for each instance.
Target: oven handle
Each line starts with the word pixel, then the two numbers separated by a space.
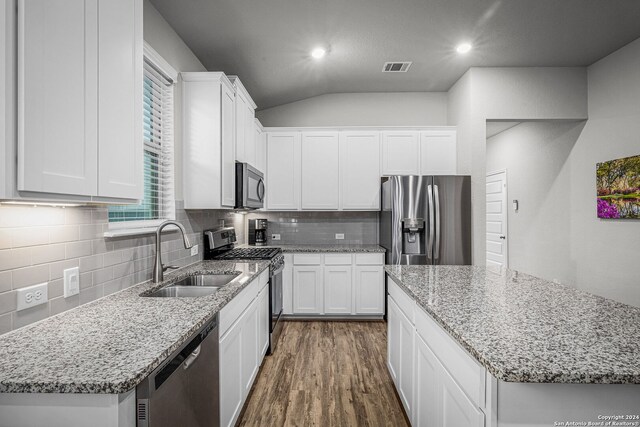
pixel 277 271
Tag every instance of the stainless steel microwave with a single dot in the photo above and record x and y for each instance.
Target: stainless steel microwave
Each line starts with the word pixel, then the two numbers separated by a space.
pixel 250 188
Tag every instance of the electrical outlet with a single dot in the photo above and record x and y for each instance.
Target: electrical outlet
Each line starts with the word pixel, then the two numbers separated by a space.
pixel 71 281
pixel 32 296
pixel 339 236
pixel 194 250
pixel 275 237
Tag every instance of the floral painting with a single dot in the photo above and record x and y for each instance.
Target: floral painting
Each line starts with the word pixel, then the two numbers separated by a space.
pixel 619 188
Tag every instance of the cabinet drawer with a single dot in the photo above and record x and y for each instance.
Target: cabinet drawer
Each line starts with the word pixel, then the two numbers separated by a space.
pixel 337 259
pixel 232 311
pixel 307 259
pixel 369 259
pixel 404 301
pixel 468 374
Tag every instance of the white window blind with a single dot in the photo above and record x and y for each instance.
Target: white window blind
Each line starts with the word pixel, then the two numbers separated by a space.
pixel 158 203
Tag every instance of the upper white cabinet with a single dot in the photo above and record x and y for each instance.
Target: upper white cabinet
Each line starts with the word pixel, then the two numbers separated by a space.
pixel 80 98
pixel 260 140
pixel 245 124
pixel 320 170
pixel 283 171
pixel 400 153
pixel 208 141
pixel 7 98
pixel 438 152
pixel 360 170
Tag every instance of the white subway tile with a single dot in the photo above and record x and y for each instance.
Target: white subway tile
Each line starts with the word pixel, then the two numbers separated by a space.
pixel 56 269
pixel 90 263
pixel 30 315
pixel 30 276
pixel 112 258
pixel 58 305
pixel 5 281
pixel 77 249
pixel 8 302
pixel 29 236
pixel 86 280
pixel 91 294
pixel 47 253
pixel 6 323
pixel 102 275
pixel 6 238
pixel 56 288
pixel 64 233
pixel 74 216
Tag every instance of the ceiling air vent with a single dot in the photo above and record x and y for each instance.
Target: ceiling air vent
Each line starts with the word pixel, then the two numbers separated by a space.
pixel 396 67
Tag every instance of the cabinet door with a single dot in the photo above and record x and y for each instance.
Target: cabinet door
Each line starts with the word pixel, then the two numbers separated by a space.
pixel 120 130
pixel 400 153
pixel 320 170
pixel 261 149
pixel 307 290
pixel 240 125
pixel 438 152
pixel 249 355
pixel 456 410
pixel 393 339
pixel 405 376
pixel 228 178
pixel 231 387
pixel 249 136
pixel 337 290
pixel 287 285
pixel 283 171
pixel 427 386
pixel 360 170
pixel 369 283
pixel 264 323
pixel 57 96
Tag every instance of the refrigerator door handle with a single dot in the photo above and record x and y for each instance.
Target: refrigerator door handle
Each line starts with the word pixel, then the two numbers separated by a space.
pixel 436 197
pixel 431 222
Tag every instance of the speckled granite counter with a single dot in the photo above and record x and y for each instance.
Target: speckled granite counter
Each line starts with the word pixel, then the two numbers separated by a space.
pixel 112 344
pixel 526 329
pixel 292 249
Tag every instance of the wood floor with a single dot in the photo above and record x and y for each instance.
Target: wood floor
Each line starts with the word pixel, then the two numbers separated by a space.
pixel 326 374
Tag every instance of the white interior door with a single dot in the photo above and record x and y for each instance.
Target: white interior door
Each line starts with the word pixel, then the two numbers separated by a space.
pixel 497 239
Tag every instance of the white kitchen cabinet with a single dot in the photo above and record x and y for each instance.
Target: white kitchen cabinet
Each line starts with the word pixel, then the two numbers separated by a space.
pixel 7 98
pixel 231 387
pixel 455 409
pixel 426 386
pixel 338 289
pixel 360 170
pixel 283 171
pixel 287 285
pixel 260 140
pixel 208 141
pixel 369 289
pixel 405 376
pixel 438 152
pixel 400 153
pixel 244 123
pixel 320 169
pixel 393 340
pixel 264 322
pixel 80 98
pixel 250 347
pixel 307 289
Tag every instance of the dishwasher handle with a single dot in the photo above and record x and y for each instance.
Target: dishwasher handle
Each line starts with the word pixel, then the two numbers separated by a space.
pixel 191 358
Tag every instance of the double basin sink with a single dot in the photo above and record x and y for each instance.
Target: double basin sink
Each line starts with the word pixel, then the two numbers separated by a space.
pixel 193 286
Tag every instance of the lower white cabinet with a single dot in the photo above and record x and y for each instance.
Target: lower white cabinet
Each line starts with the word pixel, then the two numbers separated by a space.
pixel 436 386
pixel 307 289
pixel 334 284
pixel 244 328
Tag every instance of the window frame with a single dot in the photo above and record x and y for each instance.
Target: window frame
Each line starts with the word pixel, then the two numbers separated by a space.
pixel 122 228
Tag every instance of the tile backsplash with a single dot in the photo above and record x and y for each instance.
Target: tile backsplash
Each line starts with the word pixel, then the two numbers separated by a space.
pixel 320 228
pixel 38 243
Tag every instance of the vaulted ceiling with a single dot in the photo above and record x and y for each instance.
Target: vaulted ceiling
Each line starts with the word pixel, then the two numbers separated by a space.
pixel 267 42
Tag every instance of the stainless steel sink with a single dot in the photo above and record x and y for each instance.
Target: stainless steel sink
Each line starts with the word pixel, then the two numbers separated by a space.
pixel 194 286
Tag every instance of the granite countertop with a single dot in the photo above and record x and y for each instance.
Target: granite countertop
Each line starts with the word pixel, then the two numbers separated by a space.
pixel 526 329
pixel 110 345
pixel 292 249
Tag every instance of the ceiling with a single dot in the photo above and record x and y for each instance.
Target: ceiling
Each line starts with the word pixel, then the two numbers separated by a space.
pixel 267 42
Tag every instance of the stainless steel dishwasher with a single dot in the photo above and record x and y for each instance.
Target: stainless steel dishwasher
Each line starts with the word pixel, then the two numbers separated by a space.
pixel 184 390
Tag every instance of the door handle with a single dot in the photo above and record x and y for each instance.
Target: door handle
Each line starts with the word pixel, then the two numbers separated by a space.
pixel 436 198
pixel 261 189
pixel 191 358
pixel 503 237
pixel 431 222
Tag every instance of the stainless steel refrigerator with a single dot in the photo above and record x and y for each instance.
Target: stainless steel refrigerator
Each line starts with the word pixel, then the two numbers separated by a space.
pixel 426 220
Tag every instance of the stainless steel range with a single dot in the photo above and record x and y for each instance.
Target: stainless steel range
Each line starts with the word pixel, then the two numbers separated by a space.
pixel 220 245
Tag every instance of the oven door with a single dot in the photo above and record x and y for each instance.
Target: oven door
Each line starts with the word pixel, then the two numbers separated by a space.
pixel 250 188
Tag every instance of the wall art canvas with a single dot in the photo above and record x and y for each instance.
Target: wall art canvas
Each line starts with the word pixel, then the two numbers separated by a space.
pixel 618 184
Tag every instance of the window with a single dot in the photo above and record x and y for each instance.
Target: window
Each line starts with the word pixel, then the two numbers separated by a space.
pixel 158 203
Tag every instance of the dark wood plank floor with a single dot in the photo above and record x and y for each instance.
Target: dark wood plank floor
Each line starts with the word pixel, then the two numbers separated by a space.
pixel 326 374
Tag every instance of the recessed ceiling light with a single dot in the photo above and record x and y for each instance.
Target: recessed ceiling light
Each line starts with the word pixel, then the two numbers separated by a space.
pixel 463 48
pixel 318 53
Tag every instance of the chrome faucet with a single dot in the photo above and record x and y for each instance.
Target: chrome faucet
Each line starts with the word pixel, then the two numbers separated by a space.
pixel 158 268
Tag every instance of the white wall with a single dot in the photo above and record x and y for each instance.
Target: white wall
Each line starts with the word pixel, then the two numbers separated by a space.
pixel 536 156
pixel 507 94
pixel 361 109
pixel 159 34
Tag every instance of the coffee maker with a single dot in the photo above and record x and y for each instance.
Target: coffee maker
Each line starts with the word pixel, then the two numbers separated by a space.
pixel 258 232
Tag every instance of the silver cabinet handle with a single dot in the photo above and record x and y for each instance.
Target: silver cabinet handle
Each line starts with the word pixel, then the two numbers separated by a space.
pixel 431 222
pixel 191 358
pixel 436 197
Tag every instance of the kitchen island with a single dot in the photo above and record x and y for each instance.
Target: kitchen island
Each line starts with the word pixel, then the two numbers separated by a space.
pixel 84 364
pixel 503 348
